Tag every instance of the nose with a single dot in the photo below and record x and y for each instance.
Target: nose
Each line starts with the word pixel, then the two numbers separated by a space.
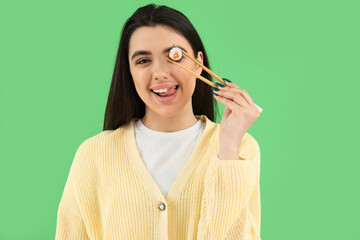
pixel 160 71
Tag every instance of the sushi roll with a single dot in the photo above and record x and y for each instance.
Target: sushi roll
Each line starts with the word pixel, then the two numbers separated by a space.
pixel 175 54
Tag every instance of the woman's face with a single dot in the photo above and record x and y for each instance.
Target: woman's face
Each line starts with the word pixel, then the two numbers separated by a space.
pixel 150 70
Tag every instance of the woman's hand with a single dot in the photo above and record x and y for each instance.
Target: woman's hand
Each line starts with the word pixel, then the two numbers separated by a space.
pixel 240 113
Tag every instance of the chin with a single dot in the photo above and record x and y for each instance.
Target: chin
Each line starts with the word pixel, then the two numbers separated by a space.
pixel 170 110
pixel 168 113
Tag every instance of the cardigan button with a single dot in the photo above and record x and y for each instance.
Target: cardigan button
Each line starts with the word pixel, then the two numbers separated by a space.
pixel 162 206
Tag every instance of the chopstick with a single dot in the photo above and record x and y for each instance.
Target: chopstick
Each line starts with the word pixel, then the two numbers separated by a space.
pixel 201 77
pixel 202 66
pixel 195 74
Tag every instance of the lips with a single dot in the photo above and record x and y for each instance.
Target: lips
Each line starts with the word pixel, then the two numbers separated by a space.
pixel 165 96
pixel 163 85
pixel 165 91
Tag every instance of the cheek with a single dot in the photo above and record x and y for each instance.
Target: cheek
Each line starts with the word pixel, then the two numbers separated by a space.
pixel 188 81
pixel 139 79
pixel 184 76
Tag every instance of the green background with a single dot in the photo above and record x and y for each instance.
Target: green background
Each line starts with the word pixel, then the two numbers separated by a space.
pixel 298 60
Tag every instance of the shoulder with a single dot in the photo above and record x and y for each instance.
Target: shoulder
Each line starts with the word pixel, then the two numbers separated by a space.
pixel 91 153
pixel 102 138
pixel 99 144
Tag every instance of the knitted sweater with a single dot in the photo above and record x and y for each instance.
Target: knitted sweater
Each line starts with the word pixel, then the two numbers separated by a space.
pixel 109 194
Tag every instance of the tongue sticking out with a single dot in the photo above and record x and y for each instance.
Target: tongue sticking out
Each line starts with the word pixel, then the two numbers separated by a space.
pixel 168 93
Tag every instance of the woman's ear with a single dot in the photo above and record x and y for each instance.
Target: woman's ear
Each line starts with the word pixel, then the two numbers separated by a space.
pixel 200 58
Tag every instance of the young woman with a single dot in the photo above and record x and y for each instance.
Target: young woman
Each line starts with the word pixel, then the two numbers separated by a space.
pixel 162 168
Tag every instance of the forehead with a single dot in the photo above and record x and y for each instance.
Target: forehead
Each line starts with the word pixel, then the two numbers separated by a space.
pixel 156 39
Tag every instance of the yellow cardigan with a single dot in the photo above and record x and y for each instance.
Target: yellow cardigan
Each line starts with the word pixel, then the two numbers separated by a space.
pixel 109 193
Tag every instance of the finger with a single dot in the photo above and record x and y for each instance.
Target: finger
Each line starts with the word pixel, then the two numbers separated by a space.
pixel 233 85
pixel 227 112
pixel 228 103
pixel 230 83
pixel 244 93
pixel 234 95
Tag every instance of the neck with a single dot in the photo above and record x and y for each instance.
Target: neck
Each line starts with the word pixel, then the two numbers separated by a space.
pixel 171 123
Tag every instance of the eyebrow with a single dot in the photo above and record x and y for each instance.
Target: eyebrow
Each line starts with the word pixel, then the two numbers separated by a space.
pixel 142 52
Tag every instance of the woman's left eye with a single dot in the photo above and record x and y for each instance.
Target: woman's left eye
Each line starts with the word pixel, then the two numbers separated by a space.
pixel 141 61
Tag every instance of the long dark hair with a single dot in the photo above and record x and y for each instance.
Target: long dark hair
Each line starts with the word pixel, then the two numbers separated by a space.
pixel 124 103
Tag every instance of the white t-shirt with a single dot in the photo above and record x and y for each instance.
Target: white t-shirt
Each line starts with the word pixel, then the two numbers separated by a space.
pixel 165 154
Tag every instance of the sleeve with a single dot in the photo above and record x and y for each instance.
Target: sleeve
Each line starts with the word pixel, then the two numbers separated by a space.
pixel 230 207
pixel 70 224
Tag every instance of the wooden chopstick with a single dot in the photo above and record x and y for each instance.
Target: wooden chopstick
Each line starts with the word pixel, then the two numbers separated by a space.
pixel 195 74
pixel 201 65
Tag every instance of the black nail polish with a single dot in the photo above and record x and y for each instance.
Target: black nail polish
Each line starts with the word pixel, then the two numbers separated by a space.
pixel 225 79
pixel 215 94
pixel 215 89
pixel 219 84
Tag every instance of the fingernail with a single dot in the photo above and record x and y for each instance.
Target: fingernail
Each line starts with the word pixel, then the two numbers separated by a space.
pixel 226 79
pixel 215 94
pixel 215 89
pixel 219 84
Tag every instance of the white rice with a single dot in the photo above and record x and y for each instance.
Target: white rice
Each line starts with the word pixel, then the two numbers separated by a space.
pixel 173 51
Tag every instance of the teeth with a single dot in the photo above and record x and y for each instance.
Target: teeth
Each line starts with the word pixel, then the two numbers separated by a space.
pixel 162 90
